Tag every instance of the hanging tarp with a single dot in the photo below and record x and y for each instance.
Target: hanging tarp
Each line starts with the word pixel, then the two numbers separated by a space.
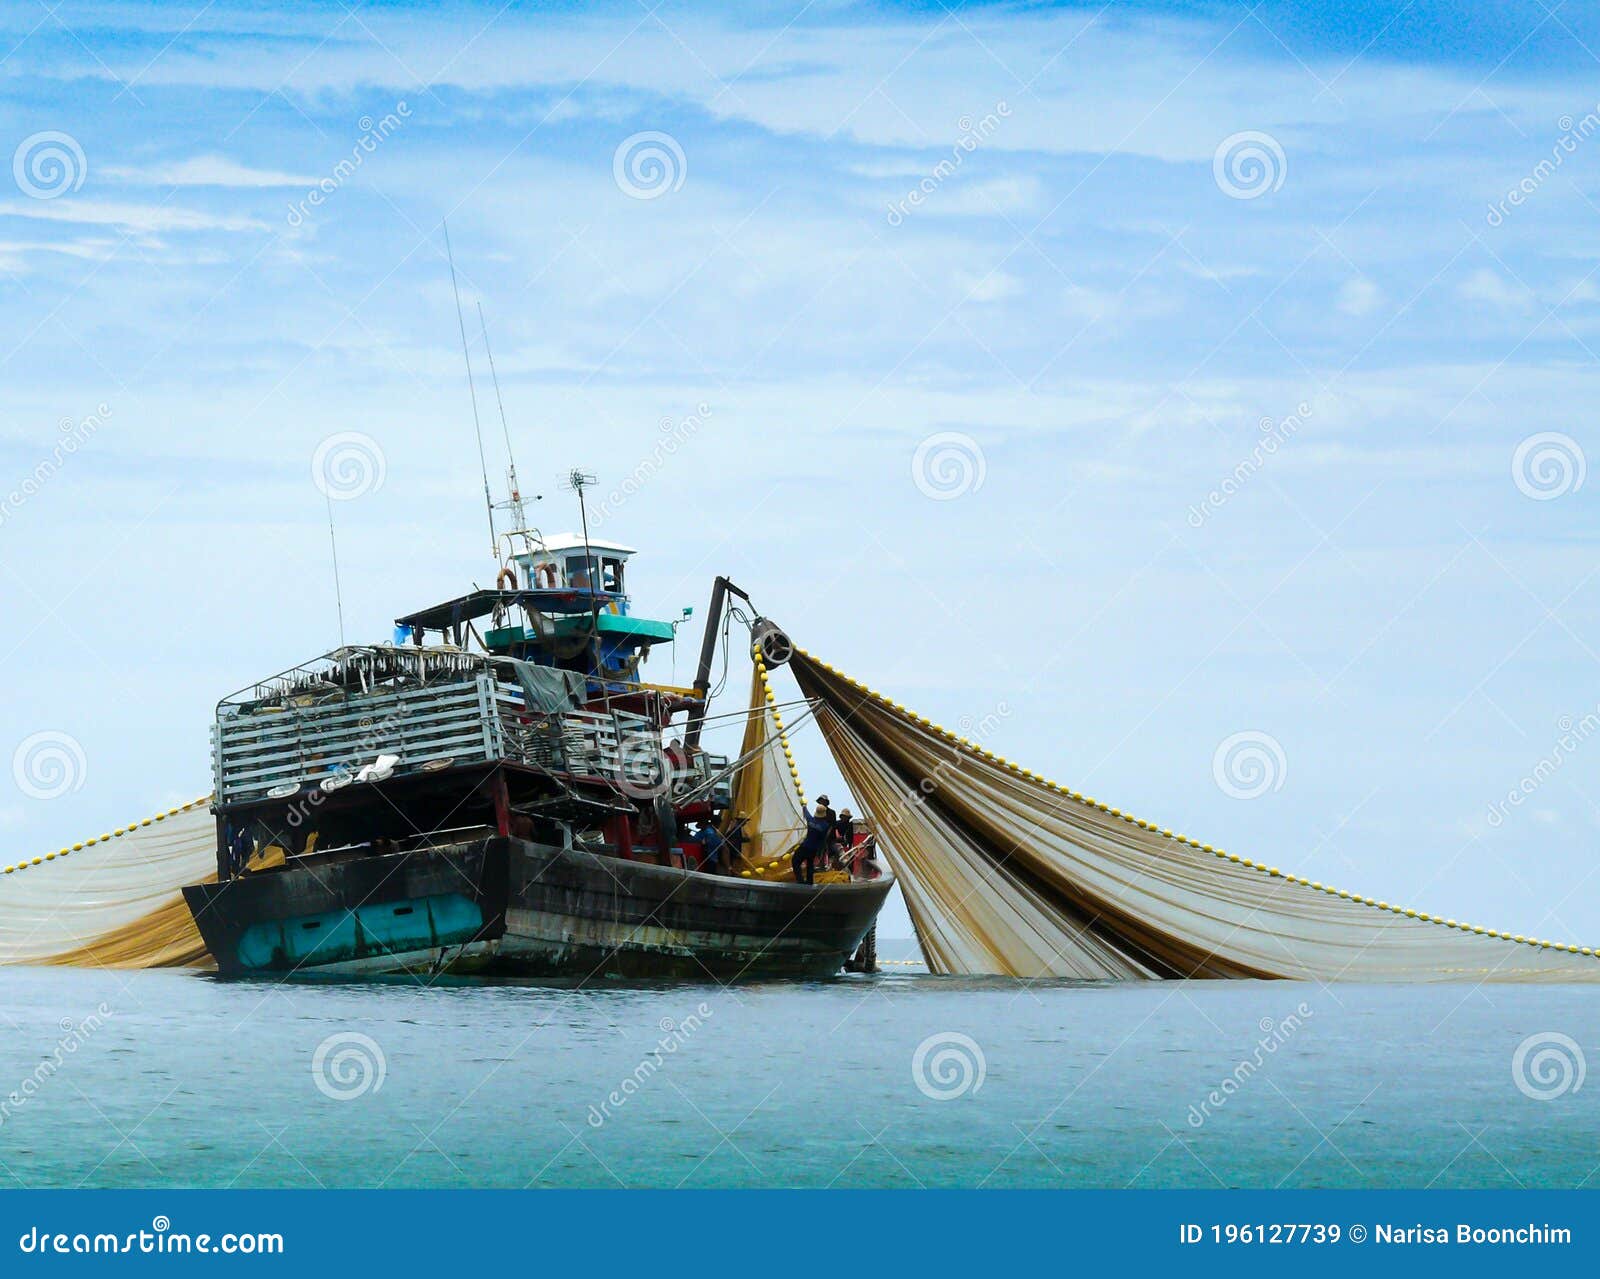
pixel 112 901
pixel 1007 873
pixel 550 690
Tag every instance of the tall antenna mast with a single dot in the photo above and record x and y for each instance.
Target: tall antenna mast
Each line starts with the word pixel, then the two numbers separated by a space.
pixel 477 426
pixel 577 481
pixel 338 593
pixel 511 458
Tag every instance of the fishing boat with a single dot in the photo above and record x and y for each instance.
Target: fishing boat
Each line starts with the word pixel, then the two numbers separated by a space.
pixel 498 790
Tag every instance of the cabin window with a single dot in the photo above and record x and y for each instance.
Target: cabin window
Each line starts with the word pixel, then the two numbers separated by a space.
pixel 582 572
pixel 612 576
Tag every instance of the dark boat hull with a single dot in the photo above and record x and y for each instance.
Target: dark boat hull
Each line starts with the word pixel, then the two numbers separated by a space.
pixel 511 907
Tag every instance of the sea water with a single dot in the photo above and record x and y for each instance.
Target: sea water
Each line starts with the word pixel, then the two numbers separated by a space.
pixel 902 1080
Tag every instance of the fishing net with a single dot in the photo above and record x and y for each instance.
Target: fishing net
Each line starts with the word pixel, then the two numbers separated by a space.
pixel 766 787
pixel 1007 873
pixel 112 901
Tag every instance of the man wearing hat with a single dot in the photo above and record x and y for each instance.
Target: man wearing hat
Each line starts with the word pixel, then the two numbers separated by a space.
pixel 819 829
pixel 844 839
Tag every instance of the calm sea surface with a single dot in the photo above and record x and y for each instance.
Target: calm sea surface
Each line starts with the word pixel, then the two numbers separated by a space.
pixel 175 1079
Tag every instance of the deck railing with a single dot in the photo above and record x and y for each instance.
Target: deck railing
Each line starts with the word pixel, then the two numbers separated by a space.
pixel 317 733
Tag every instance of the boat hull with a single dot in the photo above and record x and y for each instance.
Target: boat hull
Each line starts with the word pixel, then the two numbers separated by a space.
pixel 511 907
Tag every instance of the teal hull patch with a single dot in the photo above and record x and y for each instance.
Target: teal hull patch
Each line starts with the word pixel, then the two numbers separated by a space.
pixel 341 936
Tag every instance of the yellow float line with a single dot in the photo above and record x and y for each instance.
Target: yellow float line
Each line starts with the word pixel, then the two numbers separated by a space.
pixel 1270 871
pixel 102 839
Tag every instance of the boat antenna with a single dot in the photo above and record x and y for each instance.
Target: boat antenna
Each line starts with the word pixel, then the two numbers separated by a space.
pixel 517 510
pixel 477 426
pixel 577 481
pixel 338 593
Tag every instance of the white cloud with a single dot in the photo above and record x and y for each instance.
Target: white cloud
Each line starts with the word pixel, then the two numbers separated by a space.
pixel 136 219
pixel 986 198
pixel 1483 285
pixel 1359 296
pixel 15 254
pixel 205 171
pixel 994 287
pixel 1216 274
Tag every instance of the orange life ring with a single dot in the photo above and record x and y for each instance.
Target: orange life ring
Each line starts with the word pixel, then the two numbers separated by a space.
pixel 507 572
pixel 550 574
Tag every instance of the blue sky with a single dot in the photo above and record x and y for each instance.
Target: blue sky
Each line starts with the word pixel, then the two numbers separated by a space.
pixel 961 445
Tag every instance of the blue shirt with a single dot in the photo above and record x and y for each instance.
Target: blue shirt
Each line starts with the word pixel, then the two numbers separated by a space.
pixel 817 831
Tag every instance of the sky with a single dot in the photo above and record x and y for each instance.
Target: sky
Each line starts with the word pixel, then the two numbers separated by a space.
pixel 1196 396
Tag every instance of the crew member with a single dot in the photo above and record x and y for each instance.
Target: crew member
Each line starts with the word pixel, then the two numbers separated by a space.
pixel 819 828
pixel 844 832
pixel 712 842
pixel 867 863
pixel 733 843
